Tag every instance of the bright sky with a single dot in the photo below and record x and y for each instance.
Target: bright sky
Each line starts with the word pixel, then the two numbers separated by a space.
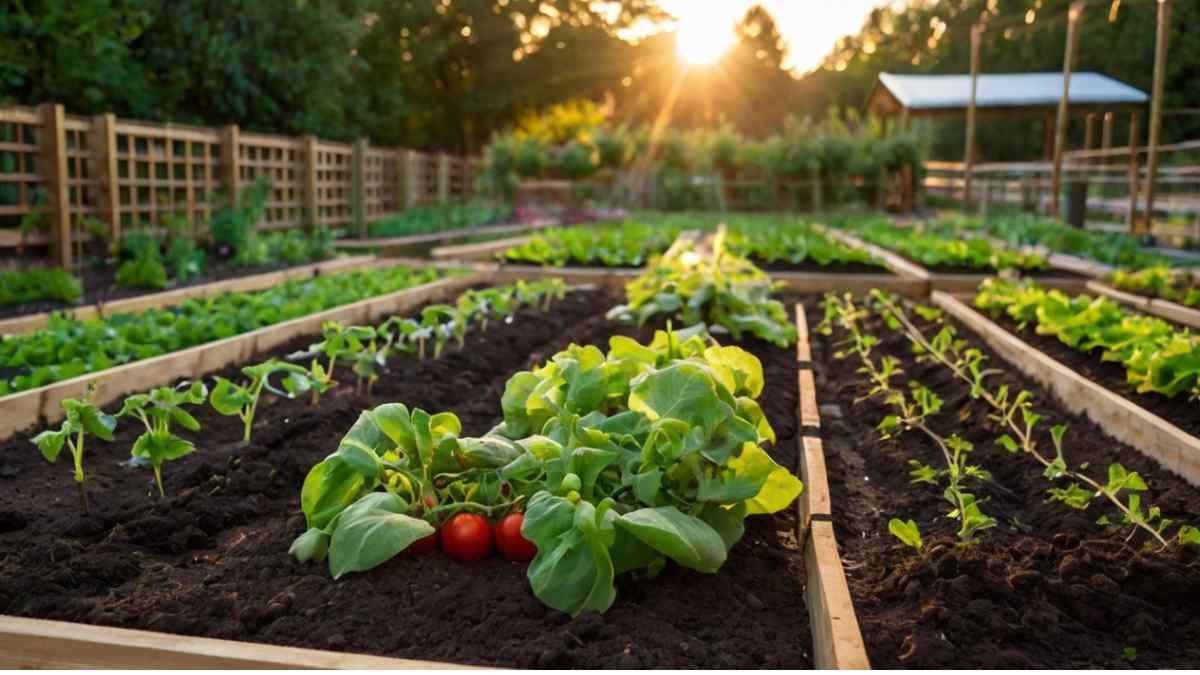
pixel 810 26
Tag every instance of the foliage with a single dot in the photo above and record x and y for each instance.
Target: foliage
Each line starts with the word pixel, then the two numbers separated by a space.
pixel 793 243
pixel 931 249
pixel 187 260
pixel 621 460
pixel 1160 281
pixel 438 217
pixel 81 419
pixel 697 283
pixel 230 398
pixel 1109 248
pixel 157 410
pixel 1157 356
pixel 627 244
pixel 39 283
pixel 67 347
pixel 146 271
pixel 233 224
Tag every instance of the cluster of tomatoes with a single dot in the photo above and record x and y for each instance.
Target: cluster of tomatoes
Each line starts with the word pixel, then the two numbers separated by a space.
pixel 468 537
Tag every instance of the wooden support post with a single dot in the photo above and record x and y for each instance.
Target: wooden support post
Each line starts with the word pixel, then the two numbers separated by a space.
pixel 969 153
pixel 1089 132
pixel 103 141
pixel 359 186
pixel 1060 125
pixel 402 171
pixel 231 170
pixel 1131 217
pixel 57 179
pixel 1162 41
pixel 311 205
pixel 443 183
pixel 1106 135
pixel 1048 137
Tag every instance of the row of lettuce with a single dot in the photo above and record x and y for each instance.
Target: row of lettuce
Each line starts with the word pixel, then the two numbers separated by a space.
pixel 616 460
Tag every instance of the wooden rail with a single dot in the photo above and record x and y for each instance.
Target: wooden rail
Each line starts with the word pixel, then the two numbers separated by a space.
pixel 140 303
pixel 384 243
pixel 42 405
pixel 1165 309
pixel 1170 446
pixel 837 639
pixel 486 250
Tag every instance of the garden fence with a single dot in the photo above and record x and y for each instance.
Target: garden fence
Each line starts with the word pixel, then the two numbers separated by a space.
pixel 66 178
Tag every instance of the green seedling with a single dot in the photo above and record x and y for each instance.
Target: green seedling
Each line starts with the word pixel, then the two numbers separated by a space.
pixel 157 410
pixel 82 418
pixel 229 398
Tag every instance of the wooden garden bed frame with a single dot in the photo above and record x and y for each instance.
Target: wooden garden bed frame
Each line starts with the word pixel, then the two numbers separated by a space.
pixel 933 281
pixel 1170 446
pixel 42 405
pixel 384 243
pixel 255 282
pixel 837 640
pixel 1164 309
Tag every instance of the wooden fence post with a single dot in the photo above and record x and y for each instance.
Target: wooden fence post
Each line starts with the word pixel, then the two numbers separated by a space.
pixel 402 171
pixel 1162 40
pixel 1060 126
pixel 969 150
pixel 1131 216
pixel 311 206
pixel 103 141
pixel 57 179
pixel 359 186
pixel 231 172
pixel 443 184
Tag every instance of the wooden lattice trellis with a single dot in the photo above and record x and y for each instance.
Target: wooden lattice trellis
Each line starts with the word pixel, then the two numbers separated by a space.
pixel 74 172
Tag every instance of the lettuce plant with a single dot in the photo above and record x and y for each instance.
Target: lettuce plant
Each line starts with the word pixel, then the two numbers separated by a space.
pixel 82 418
pixel 622 461
pixel 157 410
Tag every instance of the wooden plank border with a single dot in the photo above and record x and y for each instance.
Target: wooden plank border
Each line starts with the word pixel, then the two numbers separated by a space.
pixel 444 235
pixel 255 282
pixel 894 262
pixel 27 408
pixel 1120 418
pixel 36 643
pixel 1164 309
pixel 837 639
pixel 481 251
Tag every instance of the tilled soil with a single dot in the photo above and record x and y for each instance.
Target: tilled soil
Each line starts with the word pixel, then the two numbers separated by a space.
pixel 1048 587
pixel 211 559
pixel 1180 410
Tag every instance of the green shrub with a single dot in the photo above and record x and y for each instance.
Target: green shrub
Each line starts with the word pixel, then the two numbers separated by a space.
pixel 40 283
pixel 145 271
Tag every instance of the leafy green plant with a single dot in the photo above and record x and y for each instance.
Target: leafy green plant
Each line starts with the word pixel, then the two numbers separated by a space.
pixel 628 244
pixel 144 271
pixel 906 531
pixel 39 283
pixel 1116 249
pixel 68 347
pixel 1157 356
pixel 1160 281
pixel 622 461
pixel 187 260
pixel 82 418
pixel 229 398
pixel 930 248
pixel 707 283
pixel 438 217
pixel 157 411
pixel 339 342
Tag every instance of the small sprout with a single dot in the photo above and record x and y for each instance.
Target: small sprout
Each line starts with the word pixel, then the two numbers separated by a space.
pixel 82 418
pixel 229 398
pixel 157 410
pixel 906 531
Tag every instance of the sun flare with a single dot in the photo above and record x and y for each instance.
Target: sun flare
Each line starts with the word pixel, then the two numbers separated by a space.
pixel 702 37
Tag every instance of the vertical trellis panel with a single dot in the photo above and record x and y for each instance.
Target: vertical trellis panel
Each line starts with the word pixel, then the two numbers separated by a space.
pixel 334 184
pixel 281 160
pixel 166 171
pixel 21 183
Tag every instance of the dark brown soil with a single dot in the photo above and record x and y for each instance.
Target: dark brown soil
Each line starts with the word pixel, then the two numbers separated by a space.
pixel 1180 411
pixel 211 559
pixel 1048 587
pixel 99 285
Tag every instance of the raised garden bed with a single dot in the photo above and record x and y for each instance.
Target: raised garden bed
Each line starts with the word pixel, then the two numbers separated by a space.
pixel 1171 311
pixel 22 321
pixel 1046 586
pixel 211 559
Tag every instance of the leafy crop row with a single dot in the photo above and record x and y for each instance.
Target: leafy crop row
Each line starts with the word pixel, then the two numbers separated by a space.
pixel 438 217
pixel 1120 250
pixel 795 244
pixel 619 461
pixel 929 249
pixel 628 244
pixel 1013 415
pixel 40 283
pixel 1157 356
pixel 68 348
pixel 367 348
pixel 697 282
pixel 1160 281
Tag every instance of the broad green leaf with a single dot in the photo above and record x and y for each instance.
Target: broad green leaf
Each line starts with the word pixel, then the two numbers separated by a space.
pixel 573 570
pixel 779 488
pixel 744 369
pixel 682 391
pixel 312 545
pixel 689 541
pixel 371 532
pixel 729 522
pixel 228 398
pixel 329 488
pixel 51 443
pixel 906 531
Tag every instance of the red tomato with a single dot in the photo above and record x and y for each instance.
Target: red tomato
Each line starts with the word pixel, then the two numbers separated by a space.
pixel 509 540
pixel 424 544
pixel 467 537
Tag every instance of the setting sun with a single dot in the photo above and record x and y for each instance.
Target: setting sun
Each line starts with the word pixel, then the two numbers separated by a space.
pixel 702 37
